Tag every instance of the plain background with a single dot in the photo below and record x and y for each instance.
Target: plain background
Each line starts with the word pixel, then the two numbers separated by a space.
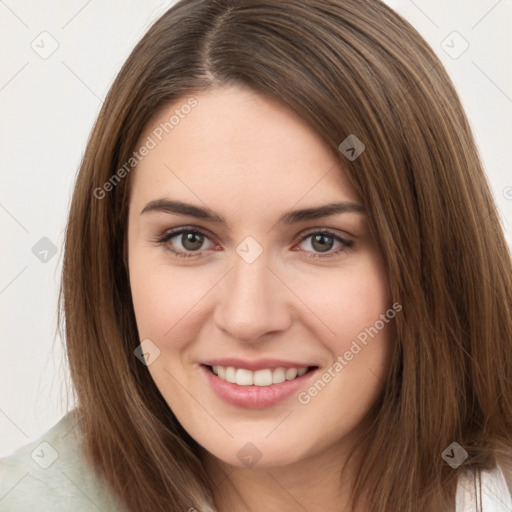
pixel 48 106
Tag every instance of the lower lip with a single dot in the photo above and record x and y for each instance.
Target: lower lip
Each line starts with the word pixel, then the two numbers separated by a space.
pixel 254 397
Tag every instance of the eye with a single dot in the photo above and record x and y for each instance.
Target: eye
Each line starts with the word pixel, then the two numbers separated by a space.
pixel 323 241
pixel 190 239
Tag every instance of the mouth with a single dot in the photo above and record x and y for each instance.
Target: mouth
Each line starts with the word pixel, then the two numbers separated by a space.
pixel 263 378
pixel 256 389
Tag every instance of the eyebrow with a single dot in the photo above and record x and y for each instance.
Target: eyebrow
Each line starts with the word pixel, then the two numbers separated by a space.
pixel 291 217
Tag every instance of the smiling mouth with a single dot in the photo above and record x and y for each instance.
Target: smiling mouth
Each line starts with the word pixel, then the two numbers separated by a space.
pixel 262 378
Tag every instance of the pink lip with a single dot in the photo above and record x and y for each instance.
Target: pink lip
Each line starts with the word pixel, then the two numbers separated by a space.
pixel 254 397
pixel 260 364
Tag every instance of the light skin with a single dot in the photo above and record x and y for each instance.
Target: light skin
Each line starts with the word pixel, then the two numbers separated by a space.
pixel 250 159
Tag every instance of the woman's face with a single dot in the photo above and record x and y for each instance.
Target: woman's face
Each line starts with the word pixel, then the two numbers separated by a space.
pixel 255 292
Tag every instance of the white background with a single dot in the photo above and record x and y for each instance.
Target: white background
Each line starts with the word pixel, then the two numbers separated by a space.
pixel 47 109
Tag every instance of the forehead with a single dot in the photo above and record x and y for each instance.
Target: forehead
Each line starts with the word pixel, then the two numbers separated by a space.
pixel 235 145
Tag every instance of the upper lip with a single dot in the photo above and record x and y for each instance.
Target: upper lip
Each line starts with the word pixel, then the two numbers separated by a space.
pixel 254 365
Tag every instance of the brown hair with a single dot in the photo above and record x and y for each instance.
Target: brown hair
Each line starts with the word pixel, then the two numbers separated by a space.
pixel 346 67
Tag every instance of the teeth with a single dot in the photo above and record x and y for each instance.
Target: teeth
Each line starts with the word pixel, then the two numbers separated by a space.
pixel 262 378
pixel 230 374
pixel 278 376
pixel 291 373
pixel 266 377
pixel 244 377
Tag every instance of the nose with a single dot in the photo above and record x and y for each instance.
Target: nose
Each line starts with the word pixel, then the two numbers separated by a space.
pixel 252 301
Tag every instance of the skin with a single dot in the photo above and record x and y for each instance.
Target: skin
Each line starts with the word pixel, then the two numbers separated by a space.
pixel 250 159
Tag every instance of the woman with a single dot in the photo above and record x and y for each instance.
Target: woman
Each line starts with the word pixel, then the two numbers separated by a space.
pixel 285 284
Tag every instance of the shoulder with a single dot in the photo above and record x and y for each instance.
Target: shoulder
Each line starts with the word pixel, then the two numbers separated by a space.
pixel 506 468
pixel 51 474
pixel 494 491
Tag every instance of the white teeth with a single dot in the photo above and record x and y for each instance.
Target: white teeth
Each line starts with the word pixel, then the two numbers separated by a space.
pixel 263 378
pixel 278 376
pixel 267 377
pixel 291 373
pixel 231 374
pixel 244 377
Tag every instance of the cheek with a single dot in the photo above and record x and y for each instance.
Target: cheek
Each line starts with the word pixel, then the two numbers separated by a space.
pixel 345 302
pixel 165 298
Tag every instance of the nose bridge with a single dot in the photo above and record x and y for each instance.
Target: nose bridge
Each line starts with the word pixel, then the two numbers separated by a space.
pixel 252 301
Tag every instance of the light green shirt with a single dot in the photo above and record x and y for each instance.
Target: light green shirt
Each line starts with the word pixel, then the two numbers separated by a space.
pixel 51 475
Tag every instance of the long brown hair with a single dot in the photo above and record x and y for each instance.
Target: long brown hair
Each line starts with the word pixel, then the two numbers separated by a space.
pixel 347 67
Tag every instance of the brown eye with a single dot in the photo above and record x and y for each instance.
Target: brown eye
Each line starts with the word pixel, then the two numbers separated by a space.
pixel 184 242
pixel 192 241
pixel 322 243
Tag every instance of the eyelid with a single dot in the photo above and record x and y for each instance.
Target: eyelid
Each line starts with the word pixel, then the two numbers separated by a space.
pixel 171 233
pixel 175 231
pixel 167 235
pixel 332 231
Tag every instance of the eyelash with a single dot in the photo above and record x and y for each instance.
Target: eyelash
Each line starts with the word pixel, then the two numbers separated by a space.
pixel 165 237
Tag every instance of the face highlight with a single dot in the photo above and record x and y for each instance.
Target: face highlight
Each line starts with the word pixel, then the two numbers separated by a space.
pixel 252 269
